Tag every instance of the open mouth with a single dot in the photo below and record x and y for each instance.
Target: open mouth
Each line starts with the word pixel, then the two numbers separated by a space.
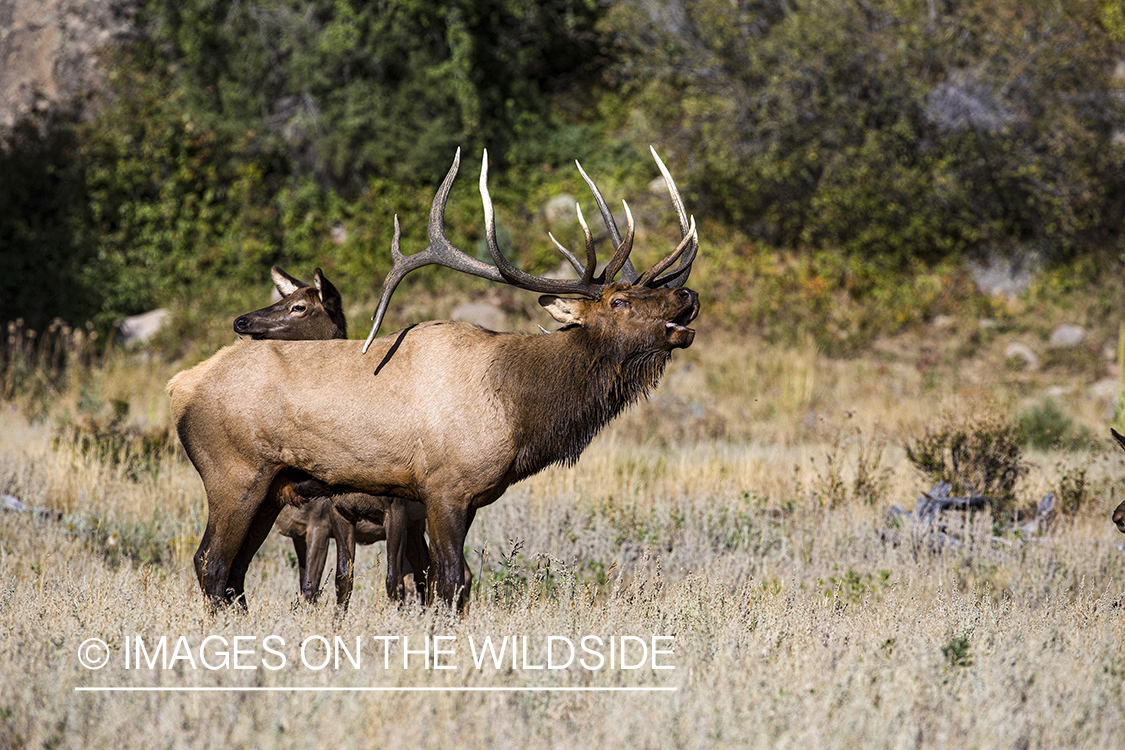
pixel 680 322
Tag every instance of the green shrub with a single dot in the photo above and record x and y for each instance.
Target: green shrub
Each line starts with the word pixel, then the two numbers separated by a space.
pixel 1045 426
pixel 983 456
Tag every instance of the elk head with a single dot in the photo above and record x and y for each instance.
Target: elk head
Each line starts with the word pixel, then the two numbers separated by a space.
pixel 304 312
pixel 604 307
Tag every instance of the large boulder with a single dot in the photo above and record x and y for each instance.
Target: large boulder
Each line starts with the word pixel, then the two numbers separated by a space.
pixel 138 329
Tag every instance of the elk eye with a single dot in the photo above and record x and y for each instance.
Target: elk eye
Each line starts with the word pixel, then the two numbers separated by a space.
pixel 619 303
pixel 297 308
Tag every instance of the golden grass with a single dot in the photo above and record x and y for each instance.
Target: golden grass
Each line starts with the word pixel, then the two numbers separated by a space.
pixel 800 620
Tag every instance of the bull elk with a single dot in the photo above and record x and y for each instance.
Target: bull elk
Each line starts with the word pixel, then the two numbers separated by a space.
pixel 316 312
pixel 446 414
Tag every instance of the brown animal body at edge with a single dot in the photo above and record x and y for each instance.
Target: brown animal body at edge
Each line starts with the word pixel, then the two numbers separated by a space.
pixel 1119 511
pixel 316 312
pixel 446 414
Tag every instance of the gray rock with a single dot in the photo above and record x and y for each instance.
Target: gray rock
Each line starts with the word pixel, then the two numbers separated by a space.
pixel 138 329
pixel 49 52
pixel 943 321
pixel 1022 352
pixel 1006 273
pixel 1104 390
pixel 1068 336
pixel 560 208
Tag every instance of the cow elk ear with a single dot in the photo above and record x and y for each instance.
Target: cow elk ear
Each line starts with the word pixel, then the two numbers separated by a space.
pixel 285 283
pixel 566 311
pixel 329 296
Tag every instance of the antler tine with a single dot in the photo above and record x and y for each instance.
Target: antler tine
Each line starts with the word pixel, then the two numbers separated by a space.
pixel 591 253
pixel 587 271
pixel 680 275
pixel 440 252
pixel 515 276
pixel 622 254
pixel 574 262
pixel 628 272
pixel 398 270
pixel 690 240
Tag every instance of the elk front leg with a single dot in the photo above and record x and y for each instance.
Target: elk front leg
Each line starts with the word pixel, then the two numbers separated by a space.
pixel 317 538
pixel 448 523
pixel 395 524
pixel 344 531
pixel 300 549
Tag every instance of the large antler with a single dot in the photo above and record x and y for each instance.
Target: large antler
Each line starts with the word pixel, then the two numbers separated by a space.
pixel 688 247
pixel 685 251
pixel 440 251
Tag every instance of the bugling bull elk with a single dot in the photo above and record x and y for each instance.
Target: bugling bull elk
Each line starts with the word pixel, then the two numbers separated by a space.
pixel 317 312
pixel 447 414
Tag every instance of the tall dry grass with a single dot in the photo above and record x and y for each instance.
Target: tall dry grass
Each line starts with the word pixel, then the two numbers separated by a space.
pixel 727 511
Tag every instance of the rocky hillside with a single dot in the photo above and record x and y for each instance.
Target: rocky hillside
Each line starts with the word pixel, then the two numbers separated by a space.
pixel 49 51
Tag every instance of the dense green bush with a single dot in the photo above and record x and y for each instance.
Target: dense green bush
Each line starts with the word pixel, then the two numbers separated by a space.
pixel 45 238
pixel 238 135
pixel 1045 426
pixel 351 90
pixel 890 129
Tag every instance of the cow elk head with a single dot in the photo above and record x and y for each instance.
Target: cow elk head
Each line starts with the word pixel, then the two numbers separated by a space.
pixel 304 313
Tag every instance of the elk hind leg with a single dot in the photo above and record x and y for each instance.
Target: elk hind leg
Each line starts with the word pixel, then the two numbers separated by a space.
pixel 259 529
pixel 418 558
pixel 232 508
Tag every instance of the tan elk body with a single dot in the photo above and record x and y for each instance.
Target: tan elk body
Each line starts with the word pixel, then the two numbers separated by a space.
pixel 316 312
pixel 446 414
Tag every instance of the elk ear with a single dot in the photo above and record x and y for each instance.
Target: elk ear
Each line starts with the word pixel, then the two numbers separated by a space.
pixel 566 311
pixel 285 283
pixel 329 296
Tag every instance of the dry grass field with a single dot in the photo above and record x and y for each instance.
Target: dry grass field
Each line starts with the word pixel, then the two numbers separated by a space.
pixel 739 516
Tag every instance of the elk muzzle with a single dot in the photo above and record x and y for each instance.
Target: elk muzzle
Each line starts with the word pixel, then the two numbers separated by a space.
pixel 678 334
pixel 242 326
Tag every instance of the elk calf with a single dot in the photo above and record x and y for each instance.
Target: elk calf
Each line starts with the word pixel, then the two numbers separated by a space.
pixel 304 312
pixel 311 526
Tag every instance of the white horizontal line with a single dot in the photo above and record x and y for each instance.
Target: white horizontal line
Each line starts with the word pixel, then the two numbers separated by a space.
pixel 519 689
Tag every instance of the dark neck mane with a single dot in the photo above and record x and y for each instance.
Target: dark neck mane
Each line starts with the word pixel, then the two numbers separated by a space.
pixel 560 389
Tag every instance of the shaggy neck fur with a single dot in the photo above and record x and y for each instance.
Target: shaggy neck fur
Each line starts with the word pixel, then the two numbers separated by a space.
pixel 560 389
